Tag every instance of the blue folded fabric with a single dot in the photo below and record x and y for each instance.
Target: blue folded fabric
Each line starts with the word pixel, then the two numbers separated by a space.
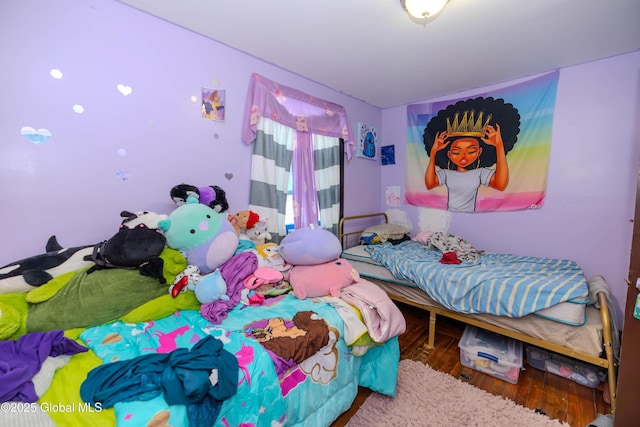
pixel 183 376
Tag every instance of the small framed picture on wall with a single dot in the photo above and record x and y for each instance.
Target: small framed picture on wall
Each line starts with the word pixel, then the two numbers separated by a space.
pixel 213 103
pixel 388 153
pixel 367 142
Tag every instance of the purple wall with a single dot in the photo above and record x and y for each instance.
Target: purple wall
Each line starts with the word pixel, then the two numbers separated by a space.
pixel 68 186
pixel 588 212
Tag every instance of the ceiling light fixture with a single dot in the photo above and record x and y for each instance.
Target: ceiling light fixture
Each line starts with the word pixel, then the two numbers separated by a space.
pixel 422 9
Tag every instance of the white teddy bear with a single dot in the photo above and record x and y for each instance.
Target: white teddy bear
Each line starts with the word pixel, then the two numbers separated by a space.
pixel 258 234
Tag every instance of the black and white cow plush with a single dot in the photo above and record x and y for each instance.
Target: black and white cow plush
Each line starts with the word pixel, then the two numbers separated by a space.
pixel 150 219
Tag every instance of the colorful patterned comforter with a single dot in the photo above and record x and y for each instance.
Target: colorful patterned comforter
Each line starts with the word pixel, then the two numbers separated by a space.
pixel 272 391
pixel 500 284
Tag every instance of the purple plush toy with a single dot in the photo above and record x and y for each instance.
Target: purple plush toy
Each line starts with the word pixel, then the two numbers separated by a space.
pixel 205 236
pixel 310 246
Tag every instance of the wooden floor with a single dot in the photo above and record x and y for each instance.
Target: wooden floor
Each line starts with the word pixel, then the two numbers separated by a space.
pixel 557 397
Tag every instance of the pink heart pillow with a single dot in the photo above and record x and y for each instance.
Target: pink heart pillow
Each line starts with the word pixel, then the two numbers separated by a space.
pixel 262 276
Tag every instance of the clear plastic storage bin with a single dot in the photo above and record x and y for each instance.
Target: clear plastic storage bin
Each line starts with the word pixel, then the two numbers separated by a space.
pixel 580 372
pixel 493 354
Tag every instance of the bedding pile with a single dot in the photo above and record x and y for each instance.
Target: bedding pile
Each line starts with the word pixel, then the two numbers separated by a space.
pixel 270 388
pixel 130 349
pixel 499 284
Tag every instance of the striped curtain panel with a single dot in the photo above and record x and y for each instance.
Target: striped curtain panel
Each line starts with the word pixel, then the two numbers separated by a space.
pixel 278 149
pixel 326 159
pixel 270 171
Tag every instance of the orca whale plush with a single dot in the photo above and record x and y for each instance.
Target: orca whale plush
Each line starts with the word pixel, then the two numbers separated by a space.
pixel 24 275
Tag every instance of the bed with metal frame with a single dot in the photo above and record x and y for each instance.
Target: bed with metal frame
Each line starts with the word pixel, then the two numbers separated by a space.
pixel 591 343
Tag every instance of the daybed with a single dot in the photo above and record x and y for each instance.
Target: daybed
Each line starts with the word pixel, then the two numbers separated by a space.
pixel 591 342
pixel 132 354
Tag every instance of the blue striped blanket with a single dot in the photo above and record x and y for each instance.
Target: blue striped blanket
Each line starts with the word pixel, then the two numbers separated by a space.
pixel 500 284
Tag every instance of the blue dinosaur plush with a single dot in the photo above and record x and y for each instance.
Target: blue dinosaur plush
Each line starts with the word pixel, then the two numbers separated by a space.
pixel 205 237
pixel 210 288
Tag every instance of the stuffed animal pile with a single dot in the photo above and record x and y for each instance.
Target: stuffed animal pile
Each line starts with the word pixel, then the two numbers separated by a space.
pixel 250 226
pixel 317 267
pixel 223 260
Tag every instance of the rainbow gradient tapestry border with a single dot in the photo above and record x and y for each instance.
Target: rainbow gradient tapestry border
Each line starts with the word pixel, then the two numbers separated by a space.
pixel 527 152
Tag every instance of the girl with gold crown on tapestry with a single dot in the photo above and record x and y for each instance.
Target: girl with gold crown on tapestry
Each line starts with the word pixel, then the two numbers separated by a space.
pixel 463 141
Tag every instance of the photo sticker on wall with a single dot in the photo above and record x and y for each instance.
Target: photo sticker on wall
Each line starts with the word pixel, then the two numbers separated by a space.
pixel 213 103
pixel 55 73
pixel 388 153
pixel 123 175
pixel 125 90
pixel 35 136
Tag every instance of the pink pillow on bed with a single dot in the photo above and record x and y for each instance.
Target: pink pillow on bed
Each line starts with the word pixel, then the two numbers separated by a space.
pixel 323 279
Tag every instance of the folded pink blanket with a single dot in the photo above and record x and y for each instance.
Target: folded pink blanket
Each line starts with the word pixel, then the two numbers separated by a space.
pixel 380 315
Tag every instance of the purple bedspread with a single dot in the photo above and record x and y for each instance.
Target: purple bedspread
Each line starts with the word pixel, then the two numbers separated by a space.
pixel 21 359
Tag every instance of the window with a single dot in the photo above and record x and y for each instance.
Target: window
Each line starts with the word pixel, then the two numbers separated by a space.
pixel 290 188
pixel 288 212
pixel 297 139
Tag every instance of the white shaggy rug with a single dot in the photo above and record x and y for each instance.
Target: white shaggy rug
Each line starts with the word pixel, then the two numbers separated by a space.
pixel 425 397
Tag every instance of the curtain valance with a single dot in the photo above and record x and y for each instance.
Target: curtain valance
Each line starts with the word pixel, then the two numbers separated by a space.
pixel 295 109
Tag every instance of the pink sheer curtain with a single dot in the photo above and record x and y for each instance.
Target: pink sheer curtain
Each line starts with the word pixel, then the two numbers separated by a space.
pixel 305 203
pixel 317 125
pixel 295 109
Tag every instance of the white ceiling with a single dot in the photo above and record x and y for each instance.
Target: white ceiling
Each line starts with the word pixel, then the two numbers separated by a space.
pixel 371 50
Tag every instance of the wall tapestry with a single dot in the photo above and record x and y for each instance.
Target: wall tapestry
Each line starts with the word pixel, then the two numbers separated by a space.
pixel 485 153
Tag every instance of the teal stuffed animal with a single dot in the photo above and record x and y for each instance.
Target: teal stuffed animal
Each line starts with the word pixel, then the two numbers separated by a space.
pixel 210 288
pixel 204 236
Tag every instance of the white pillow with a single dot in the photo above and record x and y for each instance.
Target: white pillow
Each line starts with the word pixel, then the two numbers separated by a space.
pixel 386 231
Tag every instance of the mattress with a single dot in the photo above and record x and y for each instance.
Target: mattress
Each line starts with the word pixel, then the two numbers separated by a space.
pixel 557 325
pixel 502 284
pixel 570 312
